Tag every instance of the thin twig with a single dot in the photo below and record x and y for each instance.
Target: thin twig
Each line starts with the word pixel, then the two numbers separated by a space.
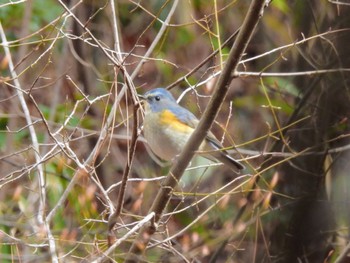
pixel 260 74
pixel 156 39
pixel 112 220
pixel 290 74
pixel 140 224
pixel 86 167
pixel 120 201
pixel 201 64
pixel 343 255
pixel 117 42
pixel 41 178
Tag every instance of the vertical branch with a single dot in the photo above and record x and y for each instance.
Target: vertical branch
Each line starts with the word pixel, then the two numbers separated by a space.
pixel 112 220
pixel 26 114
pixel 221 88
pixel 105 131
pixel 116 32
pixel 120 201
pixel 217 25
pixel 34 138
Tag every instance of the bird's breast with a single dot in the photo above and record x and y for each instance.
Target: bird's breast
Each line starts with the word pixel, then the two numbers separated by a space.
pixel 165 134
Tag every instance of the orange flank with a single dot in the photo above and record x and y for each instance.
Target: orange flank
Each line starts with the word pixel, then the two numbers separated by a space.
pixel 168 118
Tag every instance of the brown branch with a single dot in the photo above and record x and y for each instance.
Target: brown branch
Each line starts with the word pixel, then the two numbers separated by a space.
pixel 343 255
pixel 112 220
pixel 105 131
pixel 140 243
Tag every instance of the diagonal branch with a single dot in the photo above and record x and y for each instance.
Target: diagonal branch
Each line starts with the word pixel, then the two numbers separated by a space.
pixel 221 88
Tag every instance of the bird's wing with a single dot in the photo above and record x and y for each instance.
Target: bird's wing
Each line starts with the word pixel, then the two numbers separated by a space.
pixel 188 118
pixel 184 115
pixel 212 144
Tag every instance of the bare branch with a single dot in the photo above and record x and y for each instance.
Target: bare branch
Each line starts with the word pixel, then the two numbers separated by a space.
pixel 41 179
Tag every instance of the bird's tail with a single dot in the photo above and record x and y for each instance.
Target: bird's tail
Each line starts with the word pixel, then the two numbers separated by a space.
pixel 229 161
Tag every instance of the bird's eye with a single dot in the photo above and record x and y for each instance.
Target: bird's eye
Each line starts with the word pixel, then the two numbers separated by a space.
pixel 157 98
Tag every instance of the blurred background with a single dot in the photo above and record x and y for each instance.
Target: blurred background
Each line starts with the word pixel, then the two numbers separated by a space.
pixel 286 116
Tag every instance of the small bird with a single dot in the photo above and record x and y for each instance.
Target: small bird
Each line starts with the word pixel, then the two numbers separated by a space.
pixel 168 126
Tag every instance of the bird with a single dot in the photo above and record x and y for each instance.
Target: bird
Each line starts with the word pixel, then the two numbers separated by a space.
pixel 167 126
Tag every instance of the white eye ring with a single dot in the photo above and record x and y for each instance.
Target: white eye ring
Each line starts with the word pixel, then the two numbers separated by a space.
pixel 157 98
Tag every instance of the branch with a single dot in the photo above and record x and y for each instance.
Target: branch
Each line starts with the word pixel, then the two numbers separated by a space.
pixel 343 255
pixel 112 220
pixel 35 142
pixel 291 74
pixel 201 64
pixel 267 53
pixel 221 89
pixel 88 164
pixel 125 237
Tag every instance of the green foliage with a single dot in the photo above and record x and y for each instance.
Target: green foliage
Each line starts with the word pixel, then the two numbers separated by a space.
pixel 3 130
pixel 281 6
pixel 183 37
pixel 10 16
pixel 44 11
pixel 286 86
pixel 260 100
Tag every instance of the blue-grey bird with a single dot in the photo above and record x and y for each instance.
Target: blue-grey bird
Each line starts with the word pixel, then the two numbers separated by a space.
pixel 168 126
